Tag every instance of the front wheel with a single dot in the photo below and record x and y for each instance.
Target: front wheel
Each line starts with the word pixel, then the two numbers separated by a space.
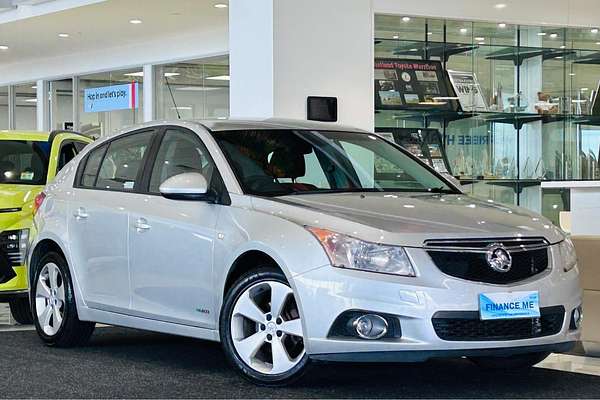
pixel 53 304
pixel 261 329
pixel 520 361
pixel 21 310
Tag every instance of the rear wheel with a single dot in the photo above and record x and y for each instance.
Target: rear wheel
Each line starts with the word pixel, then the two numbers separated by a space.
pixel 261 329
pixel 21 310
pixel 520 361
pixel 53 305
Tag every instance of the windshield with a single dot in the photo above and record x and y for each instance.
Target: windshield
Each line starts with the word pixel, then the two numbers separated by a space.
pixel 282 162
pixel 23 162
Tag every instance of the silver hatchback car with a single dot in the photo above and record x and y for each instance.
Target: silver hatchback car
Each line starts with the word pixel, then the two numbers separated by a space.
pixel 292 242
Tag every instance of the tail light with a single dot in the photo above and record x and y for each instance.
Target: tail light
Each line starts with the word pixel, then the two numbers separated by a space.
pixel 37 203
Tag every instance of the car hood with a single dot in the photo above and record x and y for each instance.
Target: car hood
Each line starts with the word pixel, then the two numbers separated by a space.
pixel 16 202
pixel 410 219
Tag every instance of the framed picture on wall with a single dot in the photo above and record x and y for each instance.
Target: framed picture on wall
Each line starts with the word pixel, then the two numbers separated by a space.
pixel 412 84
pixel 468 90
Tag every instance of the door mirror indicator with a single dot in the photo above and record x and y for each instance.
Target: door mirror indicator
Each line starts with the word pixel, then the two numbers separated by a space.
pixel 187 186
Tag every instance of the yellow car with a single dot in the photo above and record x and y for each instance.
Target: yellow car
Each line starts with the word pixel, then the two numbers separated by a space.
pixel 27 161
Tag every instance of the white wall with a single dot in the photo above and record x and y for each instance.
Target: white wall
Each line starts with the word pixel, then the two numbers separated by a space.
pixel 283 51
pixel 186 46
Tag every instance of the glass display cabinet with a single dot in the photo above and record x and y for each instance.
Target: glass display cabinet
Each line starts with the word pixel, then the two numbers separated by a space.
pixel 528 111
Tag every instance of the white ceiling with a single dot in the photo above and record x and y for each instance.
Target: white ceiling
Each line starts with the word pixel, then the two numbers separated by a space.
pixel 106 24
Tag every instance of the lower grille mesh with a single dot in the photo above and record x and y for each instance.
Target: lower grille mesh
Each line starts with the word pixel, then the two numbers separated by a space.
pixel 466 326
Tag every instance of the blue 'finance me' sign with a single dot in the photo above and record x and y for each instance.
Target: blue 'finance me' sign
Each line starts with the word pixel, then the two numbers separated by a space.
pixel 110 98
pixel 509 305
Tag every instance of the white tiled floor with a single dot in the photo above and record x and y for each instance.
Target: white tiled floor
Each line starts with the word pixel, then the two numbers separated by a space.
pixel 570 363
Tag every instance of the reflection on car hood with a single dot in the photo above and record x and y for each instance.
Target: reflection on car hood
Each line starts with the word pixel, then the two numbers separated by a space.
pixel 410 219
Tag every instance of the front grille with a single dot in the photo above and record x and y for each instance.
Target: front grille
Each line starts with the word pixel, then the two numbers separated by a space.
pixel 467 259
pixel 466 326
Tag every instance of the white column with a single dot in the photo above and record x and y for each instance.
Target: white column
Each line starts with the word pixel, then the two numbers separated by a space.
pixel 282 51
pixel 149 89
pixel 43 106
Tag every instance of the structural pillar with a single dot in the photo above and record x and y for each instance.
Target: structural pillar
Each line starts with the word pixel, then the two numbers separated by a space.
pixel 282 51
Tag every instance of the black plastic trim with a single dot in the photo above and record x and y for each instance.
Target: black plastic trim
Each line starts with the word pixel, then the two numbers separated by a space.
pixel 424 355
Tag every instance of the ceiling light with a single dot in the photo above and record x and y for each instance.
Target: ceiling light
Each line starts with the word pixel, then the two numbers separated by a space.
pixel 31 100
pixel 63 35
pixel 554 35
pixel 594 30
pixel 395 36
pixel 463 30
pixel 502 25
pixel 563 47
pixel 199 88
pixel 405 19
pixel 219 78
pixel 413 50
pixel 598 43
pixel 138 74
pixel 171 74
pixel 221 5
pixel 34 87
pixel 584 89
pixel 559 58
pixel 3 47
pixel 480 39
pixel 135 21
pixel 500 6
pixel 541 33
pixel 429 33
pixel 572 74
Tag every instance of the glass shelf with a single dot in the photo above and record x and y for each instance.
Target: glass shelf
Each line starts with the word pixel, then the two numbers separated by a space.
pixel 538 83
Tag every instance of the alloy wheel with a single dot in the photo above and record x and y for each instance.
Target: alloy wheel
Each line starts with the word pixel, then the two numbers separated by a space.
pixel 50 299
pixel 266 328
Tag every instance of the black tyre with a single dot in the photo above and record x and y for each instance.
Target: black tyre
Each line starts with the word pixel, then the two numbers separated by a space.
pixel 261 331
pixel 21 310
pixel 53 304
pixel 520 361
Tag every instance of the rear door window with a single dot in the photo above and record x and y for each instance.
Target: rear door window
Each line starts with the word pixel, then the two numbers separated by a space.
pixel 121 166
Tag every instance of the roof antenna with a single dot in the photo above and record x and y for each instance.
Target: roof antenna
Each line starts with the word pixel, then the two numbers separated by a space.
pixel 172 97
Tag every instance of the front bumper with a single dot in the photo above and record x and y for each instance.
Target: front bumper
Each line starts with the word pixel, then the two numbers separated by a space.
pixel 16 287
pixel 424 355
pixel 325 293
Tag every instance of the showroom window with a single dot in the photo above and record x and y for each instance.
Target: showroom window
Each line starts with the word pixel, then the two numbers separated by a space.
pixel 193 89
pixel 109 101
pixel 4 107
pixel 26 106
pixel 61 104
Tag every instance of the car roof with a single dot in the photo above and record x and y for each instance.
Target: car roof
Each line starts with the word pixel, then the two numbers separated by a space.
pixel 220 125
pixel 34 136
pixel 234 124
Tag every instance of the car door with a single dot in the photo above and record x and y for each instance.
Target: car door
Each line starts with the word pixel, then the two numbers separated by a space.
pixel 106 189
pixel 171 241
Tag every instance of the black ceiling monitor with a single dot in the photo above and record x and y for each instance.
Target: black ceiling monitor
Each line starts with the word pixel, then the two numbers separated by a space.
pixel 322 109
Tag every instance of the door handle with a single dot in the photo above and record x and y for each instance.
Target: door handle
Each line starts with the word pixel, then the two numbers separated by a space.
pixel 141 225
pixel 80 214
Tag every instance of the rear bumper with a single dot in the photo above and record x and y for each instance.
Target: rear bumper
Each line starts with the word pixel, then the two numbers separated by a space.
pixel 419 356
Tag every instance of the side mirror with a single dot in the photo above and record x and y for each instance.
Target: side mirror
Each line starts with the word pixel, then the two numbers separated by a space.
pixel 453 180
pixel 187 186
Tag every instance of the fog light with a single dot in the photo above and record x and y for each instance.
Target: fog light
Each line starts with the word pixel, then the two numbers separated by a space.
pixel 577 318
pixel 370 326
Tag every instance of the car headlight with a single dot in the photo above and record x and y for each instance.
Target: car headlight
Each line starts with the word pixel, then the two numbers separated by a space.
pixel 347 252
pixel 566 250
